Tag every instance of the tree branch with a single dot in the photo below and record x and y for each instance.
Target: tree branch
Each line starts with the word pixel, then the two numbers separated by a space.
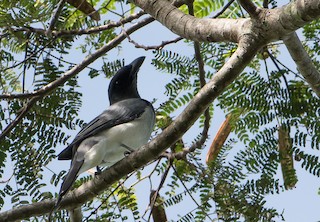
pixel 250 7
pixel 92 30
pixel 190 195
pixel 76 214
pixel 272 24
pixel 158 210
pixel 30 56
pixel 204 134
pixel 187 26
pixel 223 9
pixel 156 47
pixel 156 192
pixel 265 3
pixel 55 17
pixel 303 62
pixel 72 72
pixel 202 80
pixel 206 125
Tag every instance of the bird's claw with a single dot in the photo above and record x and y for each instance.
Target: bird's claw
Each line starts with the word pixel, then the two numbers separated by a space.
pixel 98 172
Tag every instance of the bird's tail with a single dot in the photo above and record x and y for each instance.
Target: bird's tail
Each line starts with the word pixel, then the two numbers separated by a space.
pixel 66 184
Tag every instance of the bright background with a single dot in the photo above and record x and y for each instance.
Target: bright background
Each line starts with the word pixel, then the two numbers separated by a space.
pixel 299 204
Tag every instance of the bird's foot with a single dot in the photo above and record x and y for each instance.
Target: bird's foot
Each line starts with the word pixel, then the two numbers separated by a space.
pixel 98 172
pixel 128 151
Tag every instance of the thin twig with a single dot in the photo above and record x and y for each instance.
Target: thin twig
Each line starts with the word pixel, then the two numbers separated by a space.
pixel 25 64
pixel 30 56
pixel 289 70
pixel 193 199
pixel 279 121
pixel 88 31
pixel 55 17
pixel 154 47
pixel 6 181
pixel 11 96
pixel 279 69
pixel 150 174
pixel 204 134
pixel 156 193
pixel 223 9
pixel 104 201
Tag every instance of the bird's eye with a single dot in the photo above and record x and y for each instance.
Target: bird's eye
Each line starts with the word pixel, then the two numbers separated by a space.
pixel 117 82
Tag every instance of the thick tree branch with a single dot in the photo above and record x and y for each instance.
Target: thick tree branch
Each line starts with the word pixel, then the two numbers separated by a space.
pixel 72 72
pixel 303 62
pixel 271 24
pixel 297 13
pixel 192 28
pixel 232 68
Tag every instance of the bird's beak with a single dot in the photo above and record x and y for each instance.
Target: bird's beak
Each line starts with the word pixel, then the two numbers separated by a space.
pixel 136 64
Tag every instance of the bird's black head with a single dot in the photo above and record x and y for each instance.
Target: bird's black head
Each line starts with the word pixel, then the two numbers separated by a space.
pixel 124 84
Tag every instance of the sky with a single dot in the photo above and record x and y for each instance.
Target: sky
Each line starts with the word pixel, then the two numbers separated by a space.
pixel 299 204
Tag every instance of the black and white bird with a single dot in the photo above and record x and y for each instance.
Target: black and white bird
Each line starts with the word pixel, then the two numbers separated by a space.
pixel 124 127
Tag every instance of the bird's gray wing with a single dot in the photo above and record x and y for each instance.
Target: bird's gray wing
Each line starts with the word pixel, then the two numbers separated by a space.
pixel 118 113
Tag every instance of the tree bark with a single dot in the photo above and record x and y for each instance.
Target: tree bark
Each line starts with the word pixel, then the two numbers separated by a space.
pixel 303 62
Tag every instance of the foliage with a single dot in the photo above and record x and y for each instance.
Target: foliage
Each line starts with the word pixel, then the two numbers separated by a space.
pixel 231 188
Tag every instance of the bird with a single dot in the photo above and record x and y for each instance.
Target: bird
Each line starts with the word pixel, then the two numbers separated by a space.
pixel 122 128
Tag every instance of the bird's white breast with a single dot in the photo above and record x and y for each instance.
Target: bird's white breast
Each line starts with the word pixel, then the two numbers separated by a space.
pixel 109 149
